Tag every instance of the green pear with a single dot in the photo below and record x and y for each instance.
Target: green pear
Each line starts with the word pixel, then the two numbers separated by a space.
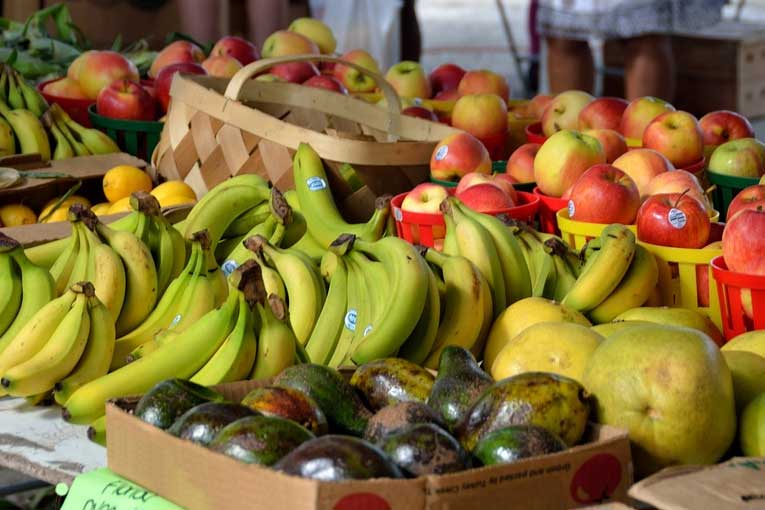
pixel 752 431
pixel 748 372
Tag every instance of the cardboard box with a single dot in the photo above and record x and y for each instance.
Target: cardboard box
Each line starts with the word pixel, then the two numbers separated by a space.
pixel 199 479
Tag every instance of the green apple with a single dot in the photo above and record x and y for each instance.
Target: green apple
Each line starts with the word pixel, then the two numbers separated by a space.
pixel 316 31
pixel 563 111
pixel 354 80
pixel 409 79
pixel 744 157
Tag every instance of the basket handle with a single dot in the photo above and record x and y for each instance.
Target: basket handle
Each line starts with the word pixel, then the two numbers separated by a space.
pixel 392 99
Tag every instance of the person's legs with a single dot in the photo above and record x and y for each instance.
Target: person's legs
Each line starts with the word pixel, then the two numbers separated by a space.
pixel 199 19
pixel 569 65
pixel 266 17
pixel 649 67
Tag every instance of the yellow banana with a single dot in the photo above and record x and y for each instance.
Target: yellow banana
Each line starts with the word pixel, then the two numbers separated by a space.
pixel 10 287
pixel 248 220
pixel 92 140
pixel 356 294
pixel 62 268
pixel 80 266
pixel 15 98
pixel 107 273
pixel 326 333
pixel 564 274
pixel 33 100
pixel 29 131
pixel 420 342
pixel 276 341
pixel 7 139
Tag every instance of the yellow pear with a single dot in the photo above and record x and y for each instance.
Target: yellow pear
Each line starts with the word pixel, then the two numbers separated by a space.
pixel 674 317
pixel 559 347
pixel 753 341
pixel 522 314
pixel 748 372
pixel 609 328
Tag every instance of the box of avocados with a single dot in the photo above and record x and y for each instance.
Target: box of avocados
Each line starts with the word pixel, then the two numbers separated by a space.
pixel 597 471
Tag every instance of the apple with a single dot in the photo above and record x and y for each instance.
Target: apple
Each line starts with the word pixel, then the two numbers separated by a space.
pixel 283 42
pixel 237 47
pixel 472 179
pixel 602 113
pixel 64 87
pixel 520 164
pixel 639 113
pixel 222 66
pixel 316 31
pixel 176 52
pixel 614 144
pixel 604 194
pixel 268 77
pixel 673 219
pixel 506 183
pixel 425 198
pixel 326 82
pixel 446 77
pixel 680 181
pixel 723 125
pixel 744 157
pixel 125 99
pixel 743 241
pixel 537 105
pixel 409 80
pixel 73 71
pixel 447 95
pixel 100 68
pixel 484 82
pixel 421 112
pixel 762 179
pixel 295 72
pixel 677 136
pixel 643 165
pixel 356 81
pixel 563 111
pixel 563 158
pixel 748 198
pixel 485 198
pixel 457 155
pixel 485 117
pixel 165 79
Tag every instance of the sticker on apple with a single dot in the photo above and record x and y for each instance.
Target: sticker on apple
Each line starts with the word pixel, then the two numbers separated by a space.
pixel 677 218
pixel 571 208
pixel 350 320
pixel 442 152
pixel 316 183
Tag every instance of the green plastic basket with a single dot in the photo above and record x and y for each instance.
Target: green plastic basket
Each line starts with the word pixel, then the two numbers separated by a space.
pixel 497 167
pixel 726 188
pixel 136 137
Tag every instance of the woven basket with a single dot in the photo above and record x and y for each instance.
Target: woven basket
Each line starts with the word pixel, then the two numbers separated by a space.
pixel 218 128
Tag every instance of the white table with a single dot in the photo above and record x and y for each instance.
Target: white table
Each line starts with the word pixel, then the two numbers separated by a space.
pixel 36 441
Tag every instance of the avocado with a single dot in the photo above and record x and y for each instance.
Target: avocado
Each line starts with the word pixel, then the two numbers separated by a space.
pixel 512 444
pixel 395 418
pixel 338 400
pixel 260 439
pixel 392 380
pixel 288 403
pixel 425 449
pixel 459 383
pixel 168 400
pixel 202 423
pixel 552 401
pixel 335 458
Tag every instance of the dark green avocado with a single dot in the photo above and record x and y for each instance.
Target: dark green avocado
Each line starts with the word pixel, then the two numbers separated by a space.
pixel 512 444
pixel 260 439
pixel 168 400
pixel 202 423
pixel 395 418
pixel 425 449
pixel 392 380
pixel 288 403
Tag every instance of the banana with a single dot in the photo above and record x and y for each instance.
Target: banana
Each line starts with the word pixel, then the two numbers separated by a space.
pixel 33 100
pixel 364 318
pixel 97 431
pixel 64 149
pixel 409 288
pixel 276 341
pixel 58 354
pixel 248 220
pixel 420 342
pixel 375 293
pixel 107 273
pixel 462 321
pixel 97 356
pixel 322 217
pixel 77 146
pixel 565 278
pixel 197 299
pixel 10 288
pixel 272 280
pixel 633 290
pixel 4 83
pixel 181 358
pixel 217 279
pixel 80 267
pixel 15 98
pixel 476 244
pixel 62 268
pixel 29 131
pixel 7 139
pixel 609 259
pixel 355 295
pixel 240 254
pixel 326 333
pixel 304 287
pixel 140 277
pixel 92 140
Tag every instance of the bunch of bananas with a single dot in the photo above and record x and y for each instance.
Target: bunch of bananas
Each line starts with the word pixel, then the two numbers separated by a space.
pixel 72 139
pixel 21 107
pixel 18 94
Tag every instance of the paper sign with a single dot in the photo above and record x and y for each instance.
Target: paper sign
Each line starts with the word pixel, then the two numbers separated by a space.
pixel 103 490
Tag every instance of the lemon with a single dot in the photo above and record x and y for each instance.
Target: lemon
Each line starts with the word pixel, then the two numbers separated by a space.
pixel 13 215
pixel 101 209
pixel 174 200
pixel 121 205
pixel 62 210
pixel 120 181
pixel 173 189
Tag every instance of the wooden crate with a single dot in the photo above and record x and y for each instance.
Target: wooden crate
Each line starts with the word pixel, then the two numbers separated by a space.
pixel 718 68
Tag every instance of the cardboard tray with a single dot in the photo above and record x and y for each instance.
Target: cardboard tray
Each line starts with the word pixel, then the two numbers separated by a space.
pixel 199 479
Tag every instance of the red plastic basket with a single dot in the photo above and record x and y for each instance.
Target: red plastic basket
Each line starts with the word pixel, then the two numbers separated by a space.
pixel 76 108
pixel 730 285
pixel 548 211
pixel 534 133
pixel 429 229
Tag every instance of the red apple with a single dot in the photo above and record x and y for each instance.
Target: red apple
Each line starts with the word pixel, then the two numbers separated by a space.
pixel 743 241
pixel 165 79
pixel 563 158
pixel 295 72
pixel 643 165
pixel 748 198
pixel 639 114
pixel 221 66
pixel 680 181
pixel 100 68
pixel 64 87
pixel 457 155
pixel 604 194
pixel 125 99
pixel 537 105
pixel 73 71
pixel 233 46
pixel 506 182
pixel 677 136
pixel 563 111
pixel 283 42
pixel 484 82
pixel 602 113
pixel 356 81
pixel 613 143
pixel 721 126
pixel 446 77
pixel 520 164
pixel 485 117
pixel 673 219
pixel 485 198
pixel 409 80
pixel 447 95
pixel 472 179
pixel 425 198
pixel 177 52
pixel 421 112
pixel 326 82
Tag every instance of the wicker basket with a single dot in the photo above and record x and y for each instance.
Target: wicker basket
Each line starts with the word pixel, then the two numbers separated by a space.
pixel 217 128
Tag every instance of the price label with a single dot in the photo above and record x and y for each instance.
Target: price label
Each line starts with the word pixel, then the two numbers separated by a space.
pixel 103 490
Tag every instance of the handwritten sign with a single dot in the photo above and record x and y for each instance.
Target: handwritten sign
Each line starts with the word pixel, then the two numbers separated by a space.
pixel 103 490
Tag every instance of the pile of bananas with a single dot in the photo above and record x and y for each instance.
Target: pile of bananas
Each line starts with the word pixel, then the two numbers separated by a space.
pixel 71 139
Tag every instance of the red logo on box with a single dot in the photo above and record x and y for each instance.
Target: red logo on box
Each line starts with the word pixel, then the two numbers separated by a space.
pixel 597 479
pixel 362 501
